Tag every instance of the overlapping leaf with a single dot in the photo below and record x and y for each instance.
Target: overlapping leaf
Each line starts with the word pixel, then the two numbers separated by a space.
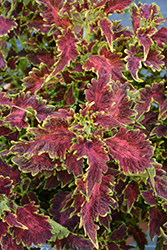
pixel 139 236
pixel 144 38
pixel 132 193
pixel 112 6
pixel 63 217
pixel 12 172
pixel 106 30
pixel 9 243
pixel 66 44
pixel 5 186
pixel 35 164
pixel 131 150
pixel 154 60
pixel 96 154
pixel 50 11
pixel 106 62
pixel 54 138
pixel 157 219
pixel 134 59
pixel 39 229
pixel 111 107
pixel 21 103
pixel 146 96
pixel 35 79
pixel 6 24
pixel 98 204
pixel 160 37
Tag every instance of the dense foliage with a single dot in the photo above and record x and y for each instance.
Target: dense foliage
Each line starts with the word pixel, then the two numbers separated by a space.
pixel 83 118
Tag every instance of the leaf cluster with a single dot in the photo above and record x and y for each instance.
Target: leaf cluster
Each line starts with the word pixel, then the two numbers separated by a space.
pixel 83 125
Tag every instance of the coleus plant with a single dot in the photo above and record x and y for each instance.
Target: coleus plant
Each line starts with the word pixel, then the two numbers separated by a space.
pixel 83 116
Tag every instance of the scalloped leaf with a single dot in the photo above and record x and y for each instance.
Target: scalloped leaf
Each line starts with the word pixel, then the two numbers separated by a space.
pixel 107 31
pixel 39 229
pixel 109 105
pixel 4 100
pixel 144 39
pixel 54 138
pixel 63 217
pixel 66 44
pixel 3 228
pixel 12 172
pixel 111 6
pixel 11 219
pixel 41 56
pixel 9 243
pixel 36 79
pixel 146 95
pixel 96 154
pixel 160 130
pixel 50 12
pixel 154 60
pixel 133 60
pixel 35 164
pixel 21 103
pixel 131 150
pixel 139 236
pixel 106 62
pixel 58 231
pixel 149 198
pixel 6 24
pixel 98 204
pixel 160 37
pixel 157 219
pixel 119 234
pixel 74 165
pixel 132 193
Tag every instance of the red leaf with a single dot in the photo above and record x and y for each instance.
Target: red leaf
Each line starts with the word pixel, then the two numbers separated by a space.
pixel 6 25
pixel 12 172
pixel 119 234
pixel 144 39
pixel 73 165
pixel 157 219
pixel 64 177
pixel 39 229
pixel 132 193
pixel 154 60
pixel 9 243
pixel 146 96
pixel 35 164
pixel 3 228
pixel 160 130
pixel 50 12
pixel 110 6
pixel 134 60
pixel 17 116
pixel 74 242
pixel 160 37
pixel 114 103
pixel 11 219
pixel 106 30
pixel 66 44
pixel 5 186
pixel 113 246
pixel 161 186
pixel 35 79
pixel 4 100
pixel 98 204
pixel 2 61
pixel 139 236
pixel 131 150
pixel 97 156
pixel 149 198
pixel 107 62
pixel 63 218
pixel 54 138
pixel 41 56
